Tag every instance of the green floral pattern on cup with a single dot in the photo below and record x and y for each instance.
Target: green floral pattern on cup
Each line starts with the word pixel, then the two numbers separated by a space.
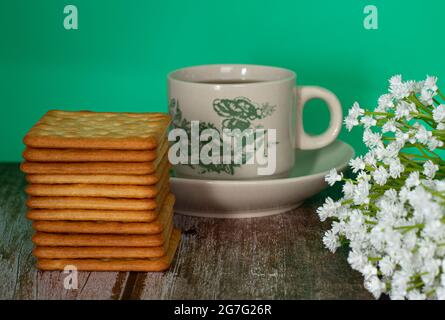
pixel 237 113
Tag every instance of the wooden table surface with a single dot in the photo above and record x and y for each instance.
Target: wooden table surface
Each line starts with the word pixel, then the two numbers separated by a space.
pixel 278 257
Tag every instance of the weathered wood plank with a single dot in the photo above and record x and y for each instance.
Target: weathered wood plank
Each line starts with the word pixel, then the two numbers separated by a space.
pixel 279 257
pixel 18 277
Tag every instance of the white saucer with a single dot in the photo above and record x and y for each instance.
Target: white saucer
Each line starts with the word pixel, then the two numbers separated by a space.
pixel 258 198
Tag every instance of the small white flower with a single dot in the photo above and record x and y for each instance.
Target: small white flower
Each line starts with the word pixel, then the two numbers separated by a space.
pixel 380 175
pixel 356 219
pixel 357 164
pixel 369 271
pixel 361 192
pixel 368 121
pixel 331 241
pixel 429 271
pixel 348 189
pixel 338 227
pixel 370 159
pixel 427 96
pixel 399 283
pixel 377 234
pixel 418 199
pixel 422 135
pixel 391 195
pixel 430 83
pixel 389 126
pixel 439 113
pixel 357 260
pixel 412 85
pixel 380 153
pixel 404 194
pixel 354 113
pixel 430 169
pixel 393 149
pixel 351 122
pixel 395 168
pixel 328 209
pixel 410 240
pixel 387 266
pixel 333 176
pixel 418 86
pixel 434 143
pixel 434 229
pixel 356 110
pixel 398 88
pixel 401 92
pixel 385 102
pixel 427 249
pixel 402 136
pixel 440 126
pixel 404 110
pixel 413 180
pixel 372 139
pixel 395 81
pixel 363 177
pixel 375 286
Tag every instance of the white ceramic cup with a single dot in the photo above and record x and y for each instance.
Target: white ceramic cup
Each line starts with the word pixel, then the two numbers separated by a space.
pixel 248 96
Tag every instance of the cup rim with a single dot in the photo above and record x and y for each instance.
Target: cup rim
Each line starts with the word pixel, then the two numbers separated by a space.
pixel 289 75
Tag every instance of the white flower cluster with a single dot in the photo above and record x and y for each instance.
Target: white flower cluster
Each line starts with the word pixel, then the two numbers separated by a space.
pixel 392 214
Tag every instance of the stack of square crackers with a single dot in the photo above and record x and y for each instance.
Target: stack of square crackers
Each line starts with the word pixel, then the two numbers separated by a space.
pixel 99 193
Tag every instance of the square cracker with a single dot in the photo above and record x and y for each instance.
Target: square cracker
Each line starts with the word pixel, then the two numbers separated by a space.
pixel 130 168
pixel 98 252
pixel 126 168
pixel 141 265
pixel 103 252
pixel 104 179
pixel 97 215
pixel 101 240
pixel 97 190
pixel 98 130
pixel 154 227
pixel 93 155
pixel 92 203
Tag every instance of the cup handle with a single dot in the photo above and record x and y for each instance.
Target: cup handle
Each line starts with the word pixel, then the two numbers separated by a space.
pixel 303 95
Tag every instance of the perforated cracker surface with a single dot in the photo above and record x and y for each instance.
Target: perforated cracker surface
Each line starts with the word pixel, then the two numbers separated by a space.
pixel 105 130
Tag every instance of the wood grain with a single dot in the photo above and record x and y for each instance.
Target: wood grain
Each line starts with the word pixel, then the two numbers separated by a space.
pixel 278 257
pixel 18 277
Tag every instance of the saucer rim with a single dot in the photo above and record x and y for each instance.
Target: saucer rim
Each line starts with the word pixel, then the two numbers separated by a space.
pixel 340 167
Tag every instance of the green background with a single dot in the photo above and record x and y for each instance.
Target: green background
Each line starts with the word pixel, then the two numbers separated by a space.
pixel 119 57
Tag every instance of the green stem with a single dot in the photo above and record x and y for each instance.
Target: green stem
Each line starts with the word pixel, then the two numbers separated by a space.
pixel 374 259
pixel 417 102
pixel 409 228
pixel 423 151
pixel 416 286
pixel 375 113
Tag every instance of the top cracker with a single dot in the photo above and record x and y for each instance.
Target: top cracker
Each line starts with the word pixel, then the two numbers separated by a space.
pixel 98 130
